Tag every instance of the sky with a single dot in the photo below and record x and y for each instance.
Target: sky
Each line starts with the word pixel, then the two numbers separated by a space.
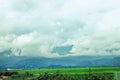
pixel 55 28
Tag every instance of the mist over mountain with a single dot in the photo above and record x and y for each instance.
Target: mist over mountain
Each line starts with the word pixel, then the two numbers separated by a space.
pixel 11 52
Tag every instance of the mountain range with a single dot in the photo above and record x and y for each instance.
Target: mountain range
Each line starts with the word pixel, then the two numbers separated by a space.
pixel 23 62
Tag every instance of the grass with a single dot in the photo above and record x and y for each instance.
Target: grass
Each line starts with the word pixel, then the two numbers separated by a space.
pixel 73 70
pixel 106 73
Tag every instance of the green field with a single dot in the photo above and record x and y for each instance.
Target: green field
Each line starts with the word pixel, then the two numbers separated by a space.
pixel 73 70
pixel 96 73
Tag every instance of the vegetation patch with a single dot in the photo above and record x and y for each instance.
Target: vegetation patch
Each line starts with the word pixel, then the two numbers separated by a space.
pixel 61 74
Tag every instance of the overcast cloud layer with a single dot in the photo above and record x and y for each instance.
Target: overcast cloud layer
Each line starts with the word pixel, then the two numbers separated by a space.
pixel 38 26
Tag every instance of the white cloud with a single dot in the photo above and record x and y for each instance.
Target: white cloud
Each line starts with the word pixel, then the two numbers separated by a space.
pixel 37 26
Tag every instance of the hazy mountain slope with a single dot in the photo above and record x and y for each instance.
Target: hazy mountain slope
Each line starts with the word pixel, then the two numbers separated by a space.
pixel 41 62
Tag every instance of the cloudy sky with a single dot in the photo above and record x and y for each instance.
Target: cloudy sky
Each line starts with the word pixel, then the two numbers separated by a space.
pixel 53 28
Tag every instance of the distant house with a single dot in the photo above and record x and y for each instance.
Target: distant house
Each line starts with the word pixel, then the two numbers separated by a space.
pixel 8 69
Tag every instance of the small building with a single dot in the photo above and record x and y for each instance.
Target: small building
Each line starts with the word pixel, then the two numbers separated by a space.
pixel 8 69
